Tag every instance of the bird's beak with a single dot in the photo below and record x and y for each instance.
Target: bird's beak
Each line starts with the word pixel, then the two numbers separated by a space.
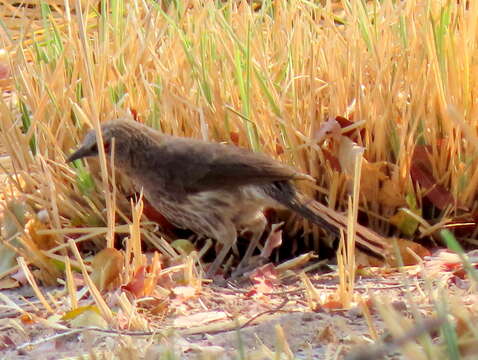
pixel 79 154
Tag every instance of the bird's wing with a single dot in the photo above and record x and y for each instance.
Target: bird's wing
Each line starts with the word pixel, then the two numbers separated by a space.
pixel 201 166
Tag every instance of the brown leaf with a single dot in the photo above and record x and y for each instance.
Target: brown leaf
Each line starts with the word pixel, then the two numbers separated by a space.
pixel 8 283
pixel 44 242
pixel 107 266
pixel 89 318
pixel 421 172
pixel 332 305
pixel 332 159
pixel 391 194
pixel 136 285
pixel 371 179
pixel 234 137
pixel 264 278
pixel 407 258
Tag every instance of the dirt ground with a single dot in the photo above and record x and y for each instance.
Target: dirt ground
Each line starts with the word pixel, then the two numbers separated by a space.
pixel 206 326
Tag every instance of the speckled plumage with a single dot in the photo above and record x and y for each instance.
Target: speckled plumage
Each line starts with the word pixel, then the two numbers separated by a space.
pixel 212 189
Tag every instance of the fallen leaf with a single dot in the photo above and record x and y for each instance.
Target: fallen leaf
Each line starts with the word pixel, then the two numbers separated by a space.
pixel 407 258
pixel 43 242
pixel 332 305
pixel 136 285
pixel 332 159
pixel 264 278
pixel 273 241
pixel 8 283
pixel 70 315
pixel 391 193
pixel 422 173
pixel 89 318
pixel 199 318
pixel 107 266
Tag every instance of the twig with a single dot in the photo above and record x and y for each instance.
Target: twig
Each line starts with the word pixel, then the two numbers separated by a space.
pixel 277 309
pixel 82 329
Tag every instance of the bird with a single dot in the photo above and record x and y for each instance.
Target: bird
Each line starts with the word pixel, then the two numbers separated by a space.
pixel 213 189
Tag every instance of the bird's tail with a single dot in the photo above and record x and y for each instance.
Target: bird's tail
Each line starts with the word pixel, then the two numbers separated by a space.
pixel 327 218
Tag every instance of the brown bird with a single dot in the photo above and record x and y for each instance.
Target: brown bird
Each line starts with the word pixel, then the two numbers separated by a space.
pixel 212 189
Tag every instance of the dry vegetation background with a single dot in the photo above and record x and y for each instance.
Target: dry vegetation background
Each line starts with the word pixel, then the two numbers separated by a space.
pixel 311 83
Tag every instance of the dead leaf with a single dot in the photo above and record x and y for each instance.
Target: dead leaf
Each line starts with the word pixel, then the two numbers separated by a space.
pixel 8 283
pixel 371 179
pixel 89 318
pixel 332 304
pixel 391 194
pixel 421 172
pixel 264 279
pixel 107 266
pixel 407 258
pixel 76 312
pixel 273 241
pixel 332 159
pixel 404 222
pixel 199 318
pixel 43 242
pixel 136 285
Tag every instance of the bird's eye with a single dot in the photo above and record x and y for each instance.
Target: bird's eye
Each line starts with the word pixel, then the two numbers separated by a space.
pixel 107 147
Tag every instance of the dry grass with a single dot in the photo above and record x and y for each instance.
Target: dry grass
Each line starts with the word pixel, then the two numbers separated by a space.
pixel 265 77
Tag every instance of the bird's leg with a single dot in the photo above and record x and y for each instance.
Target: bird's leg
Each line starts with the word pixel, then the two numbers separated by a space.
pixel 257 228
pixel 227 237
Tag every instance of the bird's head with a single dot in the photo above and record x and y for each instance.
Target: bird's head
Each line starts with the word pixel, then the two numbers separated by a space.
pixel 124 132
